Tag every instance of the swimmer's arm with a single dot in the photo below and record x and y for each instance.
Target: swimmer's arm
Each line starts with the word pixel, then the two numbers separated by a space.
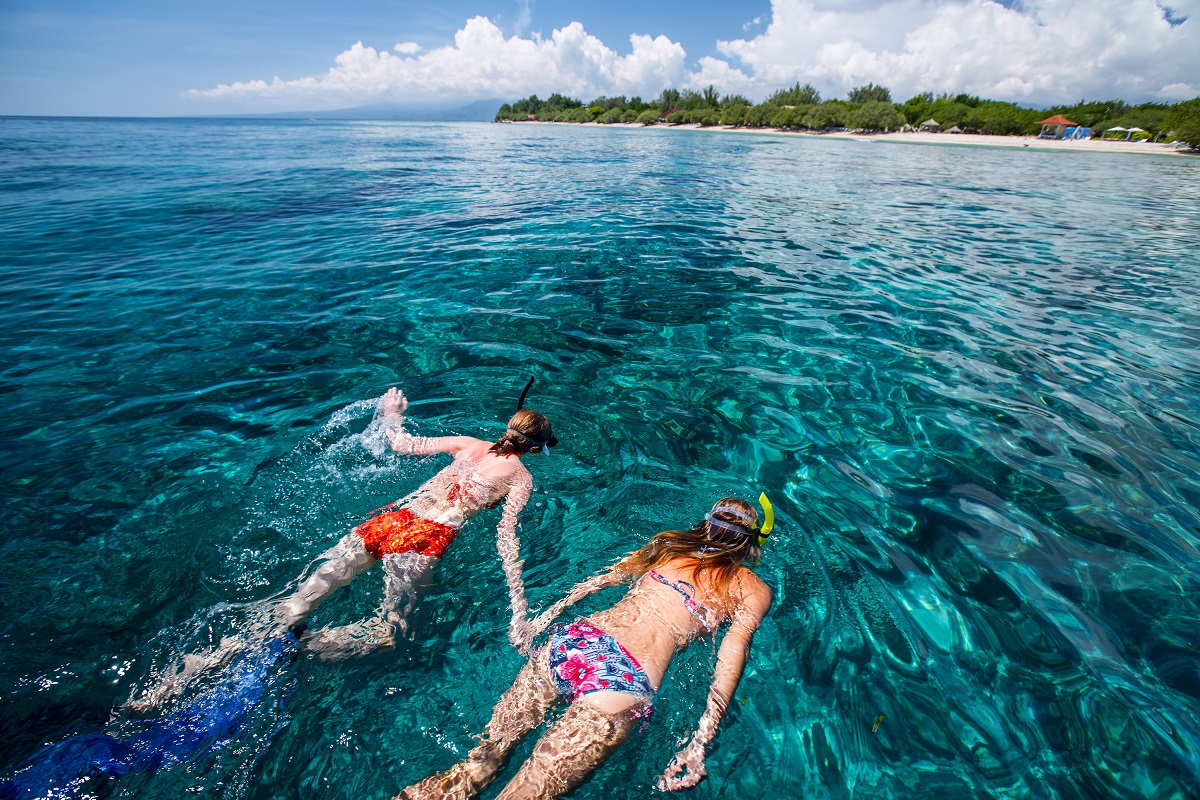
pixel 613 576
pixel 391 416
pixel 687 768
pixel 510 550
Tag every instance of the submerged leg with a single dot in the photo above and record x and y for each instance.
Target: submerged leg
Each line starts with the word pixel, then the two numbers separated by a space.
pixel 342 564
pixel 405 578
pixel 178 676
pixel 520 710
pixel 587 733
pixel 405 575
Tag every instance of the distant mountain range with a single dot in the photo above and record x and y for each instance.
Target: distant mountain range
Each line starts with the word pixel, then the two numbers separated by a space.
pixel 479 111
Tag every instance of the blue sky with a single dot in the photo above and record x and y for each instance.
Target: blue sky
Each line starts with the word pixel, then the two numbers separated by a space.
pixel 141 57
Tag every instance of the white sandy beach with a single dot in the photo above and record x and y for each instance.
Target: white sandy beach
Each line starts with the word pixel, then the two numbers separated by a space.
pixel 1092 145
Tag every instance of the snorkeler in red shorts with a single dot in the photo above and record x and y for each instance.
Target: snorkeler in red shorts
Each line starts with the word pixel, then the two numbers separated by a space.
pixel 412 535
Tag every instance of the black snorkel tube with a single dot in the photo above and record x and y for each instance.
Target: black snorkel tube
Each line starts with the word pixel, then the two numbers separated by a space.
pixel 525 391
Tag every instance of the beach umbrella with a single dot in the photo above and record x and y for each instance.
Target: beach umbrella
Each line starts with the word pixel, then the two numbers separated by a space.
pixel 1117 128
pixel 1132 131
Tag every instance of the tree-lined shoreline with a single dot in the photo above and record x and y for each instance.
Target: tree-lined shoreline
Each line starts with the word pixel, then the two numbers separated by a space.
pixel 866 108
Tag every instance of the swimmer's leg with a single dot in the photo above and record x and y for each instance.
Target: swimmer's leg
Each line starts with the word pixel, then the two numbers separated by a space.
pixel 342 563
pixel 176 679
pixel 405 575
pixel 588 732
pixel 520 710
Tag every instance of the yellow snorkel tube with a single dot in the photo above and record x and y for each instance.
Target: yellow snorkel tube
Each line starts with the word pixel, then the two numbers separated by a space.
pixel 768 522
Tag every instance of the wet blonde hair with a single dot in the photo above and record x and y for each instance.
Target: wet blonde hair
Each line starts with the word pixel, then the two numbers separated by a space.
pixel 530 424
pixel 718 552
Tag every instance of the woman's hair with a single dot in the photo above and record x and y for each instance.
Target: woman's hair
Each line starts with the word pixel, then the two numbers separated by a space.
pixel 719 544
pixel 528 432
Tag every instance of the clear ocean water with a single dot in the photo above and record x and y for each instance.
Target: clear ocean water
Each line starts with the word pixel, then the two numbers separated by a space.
pixel 968 377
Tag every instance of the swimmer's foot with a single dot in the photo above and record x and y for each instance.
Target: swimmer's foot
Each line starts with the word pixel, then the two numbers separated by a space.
pixel 178 676
pixel 350 641
pixel 463 780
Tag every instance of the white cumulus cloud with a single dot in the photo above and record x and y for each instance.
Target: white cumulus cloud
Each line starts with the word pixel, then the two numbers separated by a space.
pixel 1041 51
pixel 481 62
pixel 1032 50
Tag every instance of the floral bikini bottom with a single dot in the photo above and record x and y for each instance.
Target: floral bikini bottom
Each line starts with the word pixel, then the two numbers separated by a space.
pixel 585 659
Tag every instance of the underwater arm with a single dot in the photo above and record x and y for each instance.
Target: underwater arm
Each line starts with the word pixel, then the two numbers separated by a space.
pixel 687 768
pixel 510 550
pixel 390 415
pixel 613 576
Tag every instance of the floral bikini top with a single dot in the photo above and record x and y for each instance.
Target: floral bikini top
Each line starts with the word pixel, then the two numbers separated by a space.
pixel 688 593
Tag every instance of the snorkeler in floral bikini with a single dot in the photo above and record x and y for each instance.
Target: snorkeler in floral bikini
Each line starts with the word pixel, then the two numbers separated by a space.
pixel 410 538
pixel 686 584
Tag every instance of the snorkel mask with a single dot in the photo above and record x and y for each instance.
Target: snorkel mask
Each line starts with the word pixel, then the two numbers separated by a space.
pixel 747 526
pixel 546 445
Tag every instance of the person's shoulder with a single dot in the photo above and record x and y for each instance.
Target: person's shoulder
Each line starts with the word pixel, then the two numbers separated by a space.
pixel 754 589
pixel 469 446
pixel 517 468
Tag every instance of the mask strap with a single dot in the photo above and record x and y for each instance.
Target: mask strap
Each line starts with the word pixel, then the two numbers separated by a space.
pixel 544 445
pixel 729 526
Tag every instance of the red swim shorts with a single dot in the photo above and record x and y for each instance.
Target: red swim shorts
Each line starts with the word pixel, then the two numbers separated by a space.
pixel 404 532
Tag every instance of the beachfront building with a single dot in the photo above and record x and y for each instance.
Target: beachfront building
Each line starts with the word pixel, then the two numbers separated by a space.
pixel 1059 127
pixel 930 125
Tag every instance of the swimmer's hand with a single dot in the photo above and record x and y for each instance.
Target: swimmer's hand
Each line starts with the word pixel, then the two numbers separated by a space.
pixel 521 635
pixel 690 762
pixel 393 404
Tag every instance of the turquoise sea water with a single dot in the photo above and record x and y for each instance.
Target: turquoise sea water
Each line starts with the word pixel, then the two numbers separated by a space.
pixel 968 378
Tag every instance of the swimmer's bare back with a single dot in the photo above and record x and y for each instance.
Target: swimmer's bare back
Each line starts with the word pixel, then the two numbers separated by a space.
pixel 478 478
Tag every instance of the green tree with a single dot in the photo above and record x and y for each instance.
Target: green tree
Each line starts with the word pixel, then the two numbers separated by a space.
pixel 735 100
pixel 875 115
pixel 786 117
pixel 1184 120
pixel 918 108
pixel 608 103
pixel 711 97
pixel 677 117
pixel 611 116
pixel 760 115
pixel 561 102
pixel 523 108
pixel 649 116
pixel 669 99
pixel 690 100
pixel 865 94
pixel 826 116
pixel 1000 119
pixel 797 95
pixel 948 111
pixel 734 113
pixel 629 115
pixel 578 115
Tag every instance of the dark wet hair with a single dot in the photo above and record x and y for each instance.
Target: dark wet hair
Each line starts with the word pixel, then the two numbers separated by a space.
pixel 528 432
pixel 719 547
